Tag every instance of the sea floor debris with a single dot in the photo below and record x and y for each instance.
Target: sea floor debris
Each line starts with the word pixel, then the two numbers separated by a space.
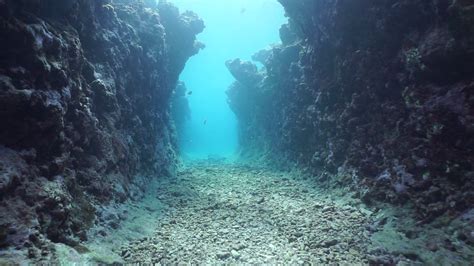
pixel 241 214
pixel 220 213
pixel 235 213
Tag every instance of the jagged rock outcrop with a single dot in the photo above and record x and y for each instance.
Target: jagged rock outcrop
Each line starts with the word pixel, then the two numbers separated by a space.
pixel 180 110
pixel 373 94
pixel 85 89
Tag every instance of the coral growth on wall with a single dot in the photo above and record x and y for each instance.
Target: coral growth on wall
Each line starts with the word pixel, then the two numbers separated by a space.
pixel 180 110
pixel 373 94
pixel 85 89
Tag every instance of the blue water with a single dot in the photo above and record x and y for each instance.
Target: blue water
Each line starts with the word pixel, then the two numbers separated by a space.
pixel 234 29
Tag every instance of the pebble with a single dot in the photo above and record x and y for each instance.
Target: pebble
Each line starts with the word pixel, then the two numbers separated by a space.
pixel 298 234
pixel 235 254
pixel 329 243
pixel 223 255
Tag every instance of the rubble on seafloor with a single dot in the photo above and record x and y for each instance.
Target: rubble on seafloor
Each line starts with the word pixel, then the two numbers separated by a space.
pixel 233 213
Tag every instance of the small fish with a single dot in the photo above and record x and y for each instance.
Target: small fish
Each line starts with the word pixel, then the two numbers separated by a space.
pixel 190 92
pixel 205 121
pixel 243 10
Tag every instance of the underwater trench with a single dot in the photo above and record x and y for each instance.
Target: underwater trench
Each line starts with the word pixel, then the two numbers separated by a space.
pixel 207 126
pixel 236 132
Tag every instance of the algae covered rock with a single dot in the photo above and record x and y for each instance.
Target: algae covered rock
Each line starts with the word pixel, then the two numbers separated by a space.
pixel 85 92
pixel 372 95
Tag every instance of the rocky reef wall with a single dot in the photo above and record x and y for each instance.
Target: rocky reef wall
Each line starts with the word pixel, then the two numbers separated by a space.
pixel 85 89
pixel 180 110
pixel 376 95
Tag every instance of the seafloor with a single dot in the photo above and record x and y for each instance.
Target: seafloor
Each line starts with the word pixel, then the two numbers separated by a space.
pixel 215 213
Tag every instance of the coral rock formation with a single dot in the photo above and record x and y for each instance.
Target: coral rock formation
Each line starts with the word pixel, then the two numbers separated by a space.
pixel 180 111
pixel 372 94
pixel 85 89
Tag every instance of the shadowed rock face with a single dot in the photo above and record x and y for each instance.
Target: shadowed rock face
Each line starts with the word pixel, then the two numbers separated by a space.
pixel 377 95
pixel 85 87
pixel 180 111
